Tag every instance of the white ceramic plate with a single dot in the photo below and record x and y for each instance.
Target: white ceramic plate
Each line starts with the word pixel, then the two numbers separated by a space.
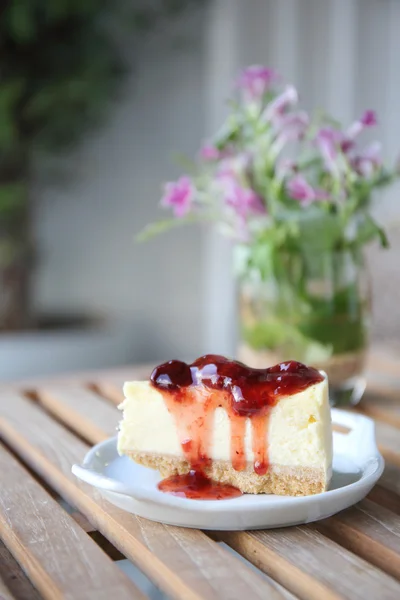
pixel 357 465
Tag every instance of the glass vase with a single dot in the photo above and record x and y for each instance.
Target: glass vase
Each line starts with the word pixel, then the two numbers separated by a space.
pixel 314 308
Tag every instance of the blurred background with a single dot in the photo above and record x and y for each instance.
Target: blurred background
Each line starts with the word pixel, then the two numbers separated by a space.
pixel 96 98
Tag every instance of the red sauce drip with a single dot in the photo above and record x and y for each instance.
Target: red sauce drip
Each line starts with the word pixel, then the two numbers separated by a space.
pixel 193 393
pixel 197 486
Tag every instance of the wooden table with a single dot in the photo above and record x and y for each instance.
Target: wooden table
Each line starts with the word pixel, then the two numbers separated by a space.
pixel 60 539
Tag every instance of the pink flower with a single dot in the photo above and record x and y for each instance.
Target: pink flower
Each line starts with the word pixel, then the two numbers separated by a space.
pixel 368 119
pixel 178 195
pixel 368 161
pixel 329 134
pixel 299 189
pixel 281 103
pixel 209 152
pixel 346 145
pixel 291 127
pixel 327 140
pixel 226 171
pixel 245 201
pixel 233 167
pixel 295 122
pixel 256 80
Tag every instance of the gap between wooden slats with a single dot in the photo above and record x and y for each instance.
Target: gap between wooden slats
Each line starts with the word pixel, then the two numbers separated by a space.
pixel 370 531
pixel 184 563
pixel 59 558
pixel 99 538
pixel 14 584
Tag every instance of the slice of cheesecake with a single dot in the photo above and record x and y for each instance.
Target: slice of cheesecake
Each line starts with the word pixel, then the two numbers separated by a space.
pixel 260 430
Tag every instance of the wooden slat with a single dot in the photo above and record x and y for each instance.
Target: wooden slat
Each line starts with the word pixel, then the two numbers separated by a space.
pixel 82 522
pixel 5 593
pixel 14 584
pixel 370 531
pixel 59 558
pixel 388 439
pixel 91 416
pixel 100 540
pixel 390 479
pixel 312 566
pixel 386 498
pixel 384 361
pixel 127 372
pixel 110 385
pixel 110 388
pixel 184 563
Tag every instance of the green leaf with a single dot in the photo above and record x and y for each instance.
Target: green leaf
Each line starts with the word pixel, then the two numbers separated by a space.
pixel 185 163
pixel 228 133
pixel 154 229
pixel 369 230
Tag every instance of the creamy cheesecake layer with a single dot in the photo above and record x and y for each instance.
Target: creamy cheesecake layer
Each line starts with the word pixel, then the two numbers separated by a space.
pixel 299 432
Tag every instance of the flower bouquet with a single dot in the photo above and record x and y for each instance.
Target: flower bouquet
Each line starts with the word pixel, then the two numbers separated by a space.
pixel 293 192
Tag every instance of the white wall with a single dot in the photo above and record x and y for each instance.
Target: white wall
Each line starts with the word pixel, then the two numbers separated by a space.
pixel 89 259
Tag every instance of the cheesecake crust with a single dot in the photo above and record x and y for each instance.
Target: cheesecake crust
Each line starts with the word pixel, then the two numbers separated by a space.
pixel 282 480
